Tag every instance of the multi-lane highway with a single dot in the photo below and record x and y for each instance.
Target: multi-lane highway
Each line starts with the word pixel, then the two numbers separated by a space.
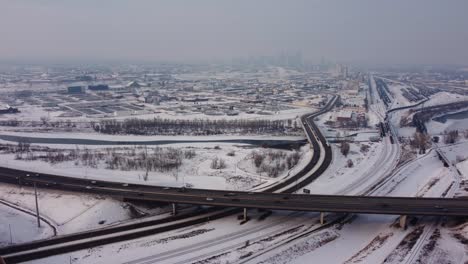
pixel 277 201
pixel 320 161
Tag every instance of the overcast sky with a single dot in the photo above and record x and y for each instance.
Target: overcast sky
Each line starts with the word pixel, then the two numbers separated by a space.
pixel 362 31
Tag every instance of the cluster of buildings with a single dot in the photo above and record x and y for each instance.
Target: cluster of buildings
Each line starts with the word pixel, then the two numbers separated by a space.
pixel 177 90
pixel 352 113
pixel 350 119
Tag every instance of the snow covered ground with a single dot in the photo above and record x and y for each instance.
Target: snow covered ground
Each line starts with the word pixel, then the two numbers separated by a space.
pixel 165 110
pixel 463 168
pixel 295 111
pixel 371 238
pixel 398 99
pixel 455 151
pixel 68 212
pixel 239 173
pixel 444 98
pixel 338 177
pixel 438 128
pixel 219 241
pixel 23 227
pixel 433 127
pixel 132 138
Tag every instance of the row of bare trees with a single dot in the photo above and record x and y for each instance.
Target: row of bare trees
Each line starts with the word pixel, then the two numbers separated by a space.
pixel 45 122
pixel 160 126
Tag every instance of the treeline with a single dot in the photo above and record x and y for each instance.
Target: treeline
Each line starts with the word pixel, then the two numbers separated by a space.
pixel 46 123
pixel 159 126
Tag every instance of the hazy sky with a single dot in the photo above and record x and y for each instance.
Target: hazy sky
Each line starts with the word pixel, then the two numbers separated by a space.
pixel 369 31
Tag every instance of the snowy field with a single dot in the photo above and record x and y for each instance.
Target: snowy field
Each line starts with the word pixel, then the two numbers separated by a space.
pixel 438 128
pixel 295 111
pixel 71 212
pixel 136 139
pixel 68 212
pixel 457 150
pixel 444 98
pixel 239 172
pixel 398 99
pixel 23 227
pixel 339 175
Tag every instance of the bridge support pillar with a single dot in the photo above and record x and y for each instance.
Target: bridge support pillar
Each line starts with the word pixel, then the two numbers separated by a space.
pixel 245 214
pixel 174 208
pixel 403 221
pixel 322 218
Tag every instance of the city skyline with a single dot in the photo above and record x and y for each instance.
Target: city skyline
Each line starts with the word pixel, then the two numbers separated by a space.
pixel 397 32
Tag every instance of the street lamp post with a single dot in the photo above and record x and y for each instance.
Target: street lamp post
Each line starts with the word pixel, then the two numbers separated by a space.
pixel 11 236
pixel 37 206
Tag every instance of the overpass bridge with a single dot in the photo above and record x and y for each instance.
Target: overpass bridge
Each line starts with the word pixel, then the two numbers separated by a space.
pixel 263 200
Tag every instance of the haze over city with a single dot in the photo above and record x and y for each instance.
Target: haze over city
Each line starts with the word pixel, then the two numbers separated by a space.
pixel 363 31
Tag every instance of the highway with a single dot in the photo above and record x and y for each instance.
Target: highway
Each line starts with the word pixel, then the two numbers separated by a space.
pixel 300 202
pixel 275 201
pixel 38 249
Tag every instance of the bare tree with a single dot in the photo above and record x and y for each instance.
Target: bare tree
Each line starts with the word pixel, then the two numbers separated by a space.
pixel 218 164
pixel 451 137
pixel 258 158
pixel 421 141
pixel 293 159
pixel 364 148
pixel 44 120
pixel 345 147
pixel 189 154
pixel 404 121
